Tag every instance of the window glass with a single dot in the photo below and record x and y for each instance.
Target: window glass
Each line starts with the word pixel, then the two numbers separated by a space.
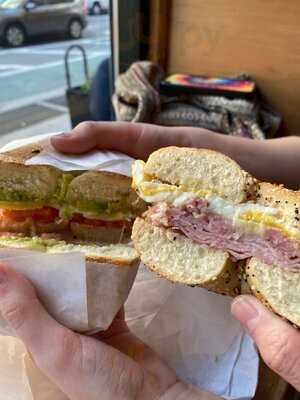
pixel 35 97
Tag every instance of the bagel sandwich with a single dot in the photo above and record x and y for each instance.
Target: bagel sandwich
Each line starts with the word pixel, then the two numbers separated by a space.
pixel 211 224
pixel 88 205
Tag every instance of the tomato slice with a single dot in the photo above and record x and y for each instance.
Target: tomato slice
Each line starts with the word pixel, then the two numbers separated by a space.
pixel 80 219
pixel 44 215
pixel 48 215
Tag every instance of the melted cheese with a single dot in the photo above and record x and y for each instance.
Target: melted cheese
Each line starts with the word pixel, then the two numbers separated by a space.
pixel 248 216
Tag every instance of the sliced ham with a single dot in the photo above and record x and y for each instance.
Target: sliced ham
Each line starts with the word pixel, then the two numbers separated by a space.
pixel 194 221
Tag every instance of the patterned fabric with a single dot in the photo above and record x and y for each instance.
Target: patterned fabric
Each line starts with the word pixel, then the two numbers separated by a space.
pixel 137 99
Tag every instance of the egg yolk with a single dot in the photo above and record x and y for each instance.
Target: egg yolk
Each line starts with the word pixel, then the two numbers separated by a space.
pixel 269 221
pixel 151 188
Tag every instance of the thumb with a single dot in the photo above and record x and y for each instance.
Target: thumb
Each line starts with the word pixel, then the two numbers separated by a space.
pixel 80 366
pixel 21 308
pixel 277 341
pixel 52 346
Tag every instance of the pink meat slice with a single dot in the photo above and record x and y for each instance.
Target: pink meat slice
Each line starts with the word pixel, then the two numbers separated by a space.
pixel 195 222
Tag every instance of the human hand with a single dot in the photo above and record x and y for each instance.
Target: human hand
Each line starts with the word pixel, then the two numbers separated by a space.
pixel 277 341
pixel 135 139
pixel 139 140
pixel 113 365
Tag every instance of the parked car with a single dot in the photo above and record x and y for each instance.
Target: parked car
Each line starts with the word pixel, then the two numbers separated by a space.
pixel 21 19
pixel 97 7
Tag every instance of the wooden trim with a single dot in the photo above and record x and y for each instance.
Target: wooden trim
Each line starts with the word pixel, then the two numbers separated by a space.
pixel 133 32
pixel 140 31
pixel 114 29
pixel 272 386
pixel 160 12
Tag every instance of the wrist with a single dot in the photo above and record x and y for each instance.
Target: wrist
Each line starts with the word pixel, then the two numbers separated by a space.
pixel 248 153
pixel 203 138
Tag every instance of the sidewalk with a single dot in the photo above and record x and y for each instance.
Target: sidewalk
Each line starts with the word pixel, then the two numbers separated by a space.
pixel 30 112
pixel 56 124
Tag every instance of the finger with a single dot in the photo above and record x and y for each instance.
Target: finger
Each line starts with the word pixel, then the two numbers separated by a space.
pixel 136 140
pixel 24 313
pixel 277 341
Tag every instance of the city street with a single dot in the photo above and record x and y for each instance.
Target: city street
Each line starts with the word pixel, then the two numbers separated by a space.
pixel 37 71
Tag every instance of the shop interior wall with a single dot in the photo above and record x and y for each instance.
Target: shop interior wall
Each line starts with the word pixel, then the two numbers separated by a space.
pixel 228 37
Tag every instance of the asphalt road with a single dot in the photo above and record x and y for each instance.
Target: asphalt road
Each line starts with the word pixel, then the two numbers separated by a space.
pixel 36 72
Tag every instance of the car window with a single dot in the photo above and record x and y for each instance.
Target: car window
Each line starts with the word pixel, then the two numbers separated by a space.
pixel 11 3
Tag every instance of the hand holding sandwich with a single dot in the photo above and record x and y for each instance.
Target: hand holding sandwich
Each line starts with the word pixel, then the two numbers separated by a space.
pixel 274 160
pixel 278 342
pixel 119 366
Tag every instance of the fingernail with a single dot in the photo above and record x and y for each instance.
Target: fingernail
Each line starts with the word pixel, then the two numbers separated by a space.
pixel 245 311
pixel 63 135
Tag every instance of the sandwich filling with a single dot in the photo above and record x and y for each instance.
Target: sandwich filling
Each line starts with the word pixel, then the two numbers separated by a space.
pixel 49 219
pixel 29 212
pixel 243 230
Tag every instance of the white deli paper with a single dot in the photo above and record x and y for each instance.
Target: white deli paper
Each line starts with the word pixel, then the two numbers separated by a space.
pixel 84 296
pixel 110 161
pixel 66 302
pixel 194 332
pixel 190 328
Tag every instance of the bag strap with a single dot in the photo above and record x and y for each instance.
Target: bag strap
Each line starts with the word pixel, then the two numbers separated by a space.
pixel 67 63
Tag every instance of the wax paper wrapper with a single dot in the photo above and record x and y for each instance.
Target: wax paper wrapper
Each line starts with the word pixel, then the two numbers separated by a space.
pixel 194 332
pixel 84 296
pixel 110 161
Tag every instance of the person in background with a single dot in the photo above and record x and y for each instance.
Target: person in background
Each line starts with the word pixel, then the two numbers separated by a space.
pixel 115 364
pixel 100 94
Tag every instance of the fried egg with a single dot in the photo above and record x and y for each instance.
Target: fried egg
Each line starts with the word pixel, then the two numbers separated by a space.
pixel 250 217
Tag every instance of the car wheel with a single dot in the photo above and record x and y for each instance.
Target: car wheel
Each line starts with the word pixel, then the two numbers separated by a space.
pixel 96 9
pixel 75 29
pixel 14 35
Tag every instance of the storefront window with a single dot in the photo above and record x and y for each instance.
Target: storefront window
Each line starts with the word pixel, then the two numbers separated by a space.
pixel 35 36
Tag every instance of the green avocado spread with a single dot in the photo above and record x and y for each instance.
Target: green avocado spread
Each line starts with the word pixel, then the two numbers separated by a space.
pixel 121 208
pixel 62 188
pixel 31 243
pixel 111 208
